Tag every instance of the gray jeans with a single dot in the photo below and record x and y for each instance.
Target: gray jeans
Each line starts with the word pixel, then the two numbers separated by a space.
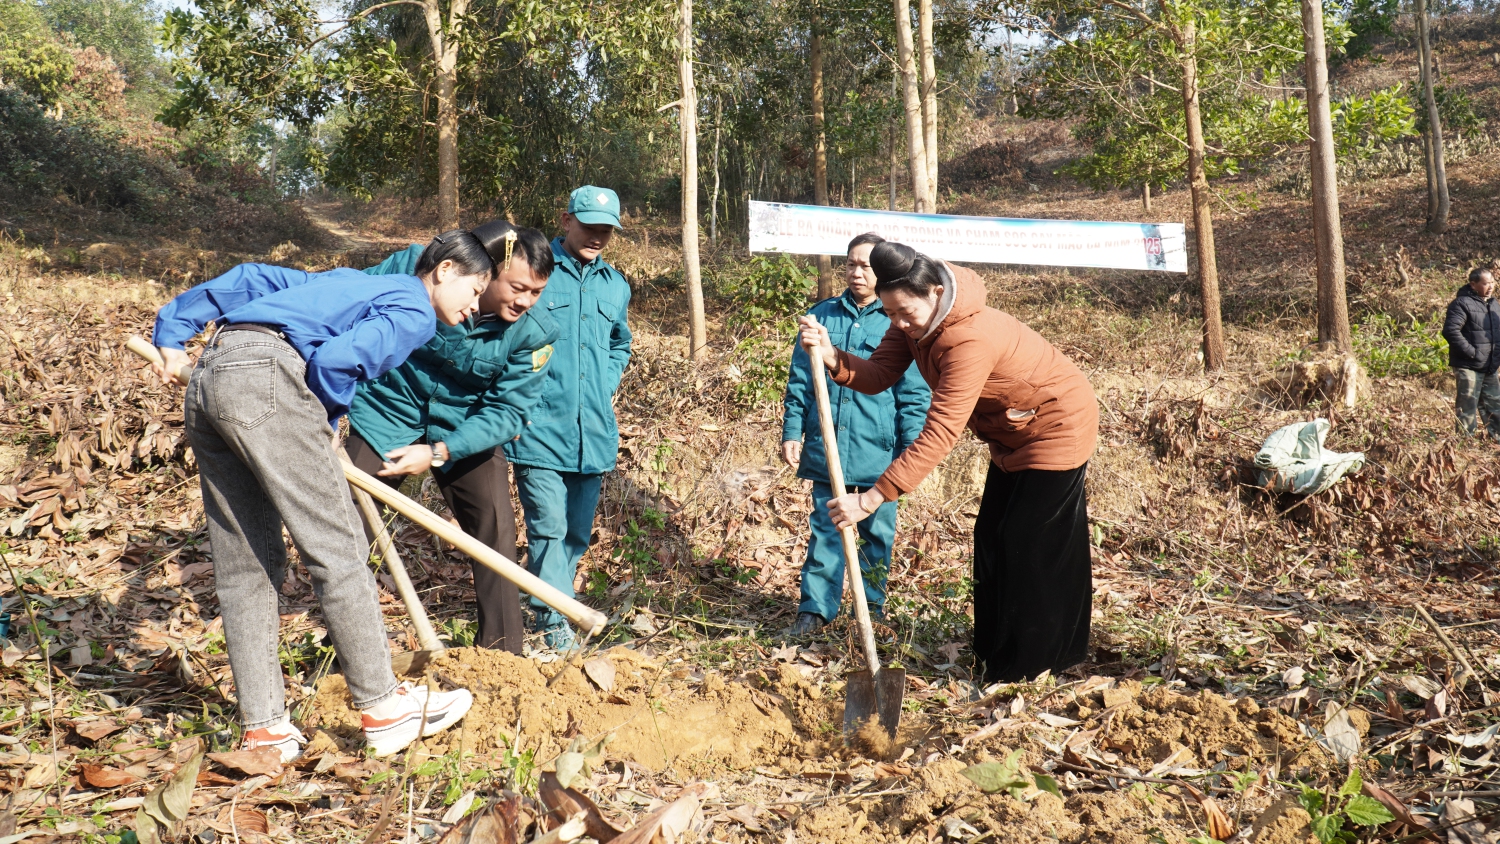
pixel 265 457
pixel 1478 401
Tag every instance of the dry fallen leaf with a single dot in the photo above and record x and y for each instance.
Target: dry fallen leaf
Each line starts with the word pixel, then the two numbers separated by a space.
pixel 1421 686
pixel 745 816
pixel 1394 804
pixel 494 824
pixel 95 730
pixel 667 823
pixel 602 671
pixel 99 776
pixel 260 761
pixel 568 802
pixel 1215 821
pixel 249 819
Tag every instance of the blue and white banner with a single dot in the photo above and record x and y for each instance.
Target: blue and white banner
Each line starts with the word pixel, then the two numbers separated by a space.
pixel 822 230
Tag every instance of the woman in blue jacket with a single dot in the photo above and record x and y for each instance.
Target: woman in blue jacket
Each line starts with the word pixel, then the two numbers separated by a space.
pixel 288 351
pixel 457 399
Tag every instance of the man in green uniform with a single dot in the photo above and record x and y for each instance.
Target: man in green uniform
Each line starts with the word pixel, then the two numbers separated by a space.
pixel 871 431
pixel 571 439
pixel 452 404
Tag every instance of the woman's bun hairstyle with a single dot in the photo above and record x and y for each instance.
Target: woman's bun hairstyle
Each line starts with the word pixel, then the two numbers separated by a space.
pixel 900 267
pixel 891 260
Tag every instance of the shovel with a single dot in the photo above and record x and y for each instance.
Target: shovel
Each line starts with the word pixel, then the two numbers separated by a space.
pixel 875 691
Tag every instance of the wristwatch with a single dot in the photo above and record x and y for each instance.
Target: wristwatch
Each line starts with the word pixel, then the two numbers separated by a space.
pixel 439 454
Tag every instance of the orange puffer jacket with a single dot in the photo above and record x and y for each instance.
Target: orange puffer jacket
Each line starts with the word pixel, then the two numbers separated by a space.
pixel 981 363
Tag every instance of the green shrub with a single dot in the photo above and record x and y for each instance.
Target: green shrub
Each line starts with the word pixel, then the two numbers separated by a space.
pixel 31 60
pixel 770 294
pixel 1455 109
pixel 761 367
pixel 1389 348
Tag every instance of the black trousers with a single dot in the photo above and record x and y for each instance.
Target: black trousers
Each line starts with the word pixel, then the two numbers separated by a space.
pixel 1033 577
pixel 477 490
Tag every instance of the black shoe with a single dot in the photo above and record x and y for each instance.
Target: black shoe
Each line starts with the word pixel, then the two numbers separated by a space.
pixel 806 624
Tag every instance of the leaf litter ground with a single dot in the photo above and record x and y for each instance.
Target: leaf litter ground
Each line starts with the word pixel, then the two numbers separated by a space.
pixel 1227 621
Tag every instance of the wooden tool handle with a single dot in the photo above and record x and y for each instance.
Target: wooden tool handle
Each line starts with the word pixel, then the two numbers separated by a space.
pixel 850 538
pixel 153 355
pixel 427 638
pixel 589 620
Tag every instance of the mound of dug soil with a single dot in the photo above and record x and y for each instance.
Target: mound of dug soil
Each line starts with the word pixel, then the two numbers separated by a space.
pixel 1161 726
pixel 660 717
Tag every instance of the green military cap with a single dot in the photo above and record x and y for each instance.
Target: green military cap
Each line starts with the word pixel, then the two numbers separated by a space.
pixel 595 206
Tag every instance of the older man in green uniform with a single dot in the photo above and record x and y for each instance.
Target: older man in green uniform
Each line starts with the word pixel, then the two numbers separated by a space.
pixel 571 439
pixel 871 431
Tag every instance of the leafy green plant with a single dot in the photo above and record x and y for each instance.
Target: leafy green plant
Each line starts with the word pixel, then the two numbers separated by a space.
pixel 459 631
pixel 1455 109
pixel 761 367
pixel 1387 348
pixel 634 547
pixel 299 655
pixel 1333 814
pixel 451 766
pixel 772 292
pixel 1362 124
pixel 1007 776
pixel 520 769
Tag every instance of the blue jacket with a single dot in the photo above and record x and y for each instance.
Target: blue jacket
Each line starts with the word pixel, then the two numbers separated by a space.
pixel 348 326
pixel 872 430
pixel 469 387
pixel 572 427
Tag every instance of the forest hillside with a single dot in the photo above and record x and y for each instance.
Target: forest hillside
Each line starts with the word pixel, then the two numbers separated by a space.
pixel 1263 667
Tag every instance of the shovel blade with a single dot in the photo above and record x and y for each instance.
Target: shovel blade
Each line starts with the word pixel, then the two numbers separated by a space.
pixel 411 663
pixel 879 695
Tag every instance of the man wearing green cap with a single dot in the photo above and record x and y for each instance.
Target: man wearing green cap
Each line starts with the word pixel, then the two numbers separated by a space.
pixel 570 439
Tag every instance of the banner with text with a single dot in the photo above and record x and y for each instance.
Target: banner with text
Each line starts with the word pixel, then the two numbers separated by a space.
pixel 822 230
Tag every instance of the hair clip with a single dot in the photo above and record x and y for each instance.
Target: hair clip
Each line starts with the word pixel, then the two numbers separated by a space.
pixel 510 245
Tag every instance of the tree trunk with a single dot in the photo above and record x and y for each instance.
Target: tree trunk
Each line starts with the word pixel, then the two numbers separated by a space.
pixel 1437 173
pixel 1203 223
pixel 1328 233
pixel 1146 197
pixel 820 151
pixel 445 58
pixel 912 102
pixel 929 100
pixel 713 205
pixel 891 152
pixel 1011 106
pixel 698 325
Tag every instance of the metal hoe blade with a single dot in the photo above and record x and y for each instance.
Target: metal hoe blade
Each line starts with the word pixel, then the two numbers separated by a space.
pixel 879 695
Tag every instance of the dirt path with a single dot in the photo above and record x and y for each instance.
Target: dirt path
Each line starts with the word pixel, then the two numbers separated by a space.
pixel 324 213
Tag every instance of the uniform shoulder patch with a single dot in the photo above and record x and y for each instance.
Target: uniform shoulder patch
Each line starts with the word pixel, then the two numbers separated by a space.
pixel 540 357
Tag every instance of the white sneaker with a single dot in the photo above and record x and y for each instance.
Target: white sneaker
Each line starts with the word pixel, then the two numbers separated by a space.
pixel 397 721
pixel 287 740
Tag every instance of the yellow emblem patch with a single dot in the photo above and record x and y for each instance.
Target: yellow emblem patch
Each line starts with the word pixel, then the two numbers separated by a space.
pixel 540 357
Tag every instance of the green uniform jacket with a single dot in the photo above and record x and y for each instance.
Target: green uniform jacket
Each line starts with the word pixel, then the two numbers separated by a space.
pixel 872 430
pixel 399 263
pixel 572 428
pixel 470 386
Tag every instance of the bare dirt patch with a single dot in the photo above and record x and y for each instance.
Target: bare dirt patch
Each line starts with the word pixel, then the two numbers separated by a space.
pixel 659 716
